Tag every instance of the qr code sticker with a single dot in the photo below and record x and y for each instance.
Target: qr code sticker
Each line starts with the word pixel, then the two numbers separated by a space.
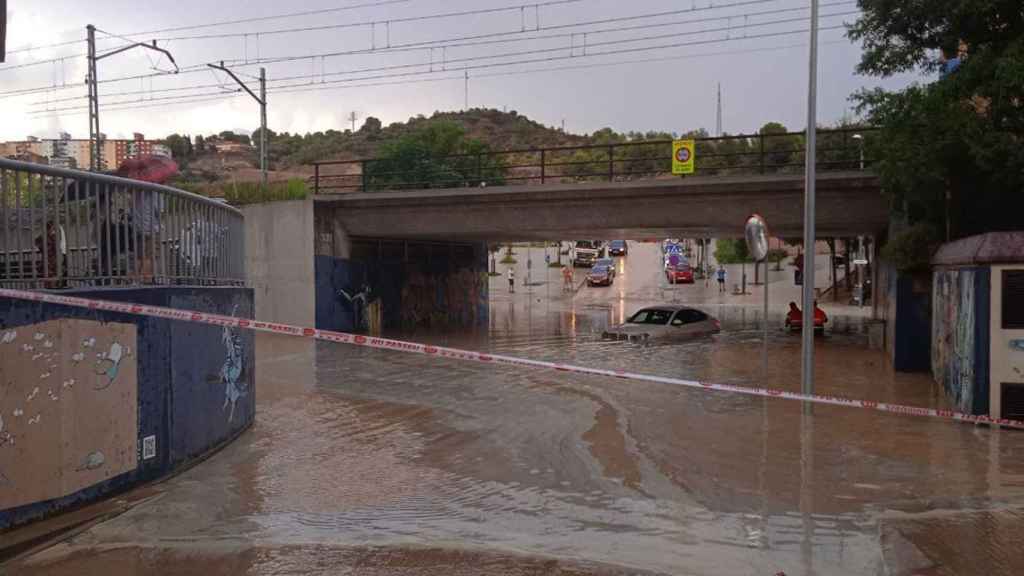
pixel 148 447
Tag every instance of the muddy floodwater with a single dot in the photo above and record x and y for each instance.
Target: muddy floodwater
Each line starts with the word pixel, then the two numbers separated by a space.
pixel 379 462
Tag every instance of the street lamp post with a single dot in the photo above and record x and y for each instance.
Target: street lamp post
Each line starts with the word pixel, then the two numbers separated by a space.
pixel 807 383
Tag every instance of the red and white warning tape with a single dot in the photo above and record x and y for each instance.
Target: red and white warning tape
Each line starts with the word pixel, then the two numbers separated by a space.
pixel 454 353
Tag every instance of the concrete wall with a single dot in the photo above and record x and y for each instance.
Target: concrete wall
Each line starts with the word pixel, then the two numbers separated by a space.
pixel 960 336
pixel 279 238
pixel 96 402
pixel 1006 346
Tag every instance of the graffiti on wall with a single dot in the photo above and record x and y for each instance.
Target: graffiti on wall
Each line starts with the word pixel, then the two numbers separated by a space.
pixel 235 386
pixel 953 332
pixel 444 300
pixel 68 408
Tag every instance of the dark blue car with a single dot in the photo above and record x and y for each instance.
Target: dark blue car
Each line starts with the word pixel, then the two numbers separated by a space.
pixel 600 275
pixel 617 248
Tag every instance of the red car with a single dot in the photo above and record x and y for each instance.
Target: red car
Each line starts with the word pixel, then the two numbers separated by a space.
pixel 680 274
pixel 795 318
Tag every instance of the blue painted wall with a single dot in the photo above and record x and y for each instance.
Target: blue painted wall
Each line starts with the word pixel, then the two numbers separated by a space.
pixel 188 375
pixel 911 347
pixel 333 274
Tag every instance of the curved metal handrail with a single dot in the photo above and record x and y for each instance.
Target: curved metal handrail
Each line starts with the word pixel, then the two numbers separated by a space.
pixel 63 228
pixel 46 170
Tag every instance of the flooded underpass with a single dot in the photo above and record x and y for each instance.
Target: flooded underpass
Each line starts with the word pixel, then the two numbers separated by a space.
pixel 377 462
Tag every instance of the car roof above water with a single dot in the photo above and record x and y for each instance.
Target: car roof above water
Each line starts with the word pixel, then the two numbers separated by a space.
pixel 666 308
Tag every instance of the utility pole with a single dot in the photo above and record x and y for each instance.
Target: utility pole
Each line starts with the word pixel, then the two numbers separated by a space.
pixel 262 100
pixel 718 118
pixel 263 126
pixel 95 143
pixel 95 146
pixel 466 106
pixel 352 117
pixel 807 383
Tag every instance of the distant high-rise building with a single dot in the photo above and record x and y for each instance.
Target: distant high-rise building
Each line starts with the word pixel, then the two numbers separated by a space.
pixel 69 152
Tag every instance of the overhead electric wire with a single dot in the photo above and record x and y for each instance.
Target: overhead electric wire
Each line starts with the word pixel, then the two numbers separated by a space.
pixel 41 62
pixel 416 46
pixel 202 67
pixel 459 78
pixel 560 49
pixel 473 59
pixel 159 99
pixel 28 48
pixel 602 31
pixel 534 5
pixel 389 21
pixel 275 17
pixel 319 87
pixel 330 84
pixel 131 93
pixel 84 110
pixel 143 104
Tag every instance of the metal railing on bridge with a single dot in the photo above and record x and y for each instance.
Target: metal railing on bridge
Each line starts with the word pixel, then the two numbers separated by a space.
pixel 772 153
pixel 64 228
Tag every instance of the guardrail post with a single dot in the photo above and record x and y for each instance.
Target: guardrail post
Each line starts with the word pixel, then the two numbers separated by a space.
pixel 542 158
pixel 316 178
pixel 611 163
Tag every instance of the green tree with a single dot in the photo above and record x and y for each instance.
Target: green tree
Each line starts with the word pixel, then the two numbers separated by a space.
pixel 232 137
pixel 732 251
pixel 781 149
pixel 180 146
pixel 950 151
pixel 437 155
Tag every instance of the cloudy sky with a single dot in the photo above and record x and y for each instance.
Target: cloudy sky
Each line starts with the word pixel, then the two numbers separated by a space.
pixel 638 65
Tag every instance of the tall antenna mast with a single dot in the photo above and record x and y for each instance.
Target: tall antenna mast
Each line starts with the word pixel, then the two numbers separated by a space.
pixel 718 118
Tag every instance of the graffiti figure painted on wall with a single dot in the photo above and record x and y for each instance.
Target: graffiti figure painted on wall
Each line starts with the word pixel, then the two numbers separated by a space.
pixel 109 363
pixel 358 301
pixel 231 371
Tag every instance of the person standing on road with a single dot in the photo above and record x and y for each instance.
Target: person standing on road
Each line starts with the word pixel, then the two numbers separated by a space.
pixel 707 274
pixel 511 280
pixel 721 278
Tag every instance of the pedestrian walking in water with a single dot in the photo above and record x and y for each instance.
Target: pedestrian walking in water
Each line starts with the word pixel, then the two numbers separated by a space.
pixel 566 279
pixel 721 278
pixel 707 274
pixel 511 280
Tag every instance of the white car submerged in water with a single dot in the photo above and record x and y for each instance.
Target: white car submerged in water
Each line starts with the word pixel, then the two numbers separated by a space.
pixel 664 323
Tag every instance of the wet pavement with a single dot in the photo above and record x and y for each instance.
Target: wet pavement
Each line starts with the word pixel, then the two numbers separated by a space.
pixel 373 462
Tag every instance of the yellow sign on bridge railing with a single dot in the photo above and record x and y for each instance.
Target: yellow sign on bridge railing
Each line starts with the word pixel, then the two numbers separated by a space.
pixel 683 152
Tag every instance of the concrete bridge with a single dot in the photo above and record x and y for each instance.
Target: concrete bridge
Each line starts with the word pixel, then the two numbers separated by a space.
pixel 848 203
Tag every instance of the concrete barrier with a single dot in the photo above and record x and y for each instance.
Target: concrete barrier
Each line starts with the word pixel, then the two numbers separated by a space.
pixel 95 402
